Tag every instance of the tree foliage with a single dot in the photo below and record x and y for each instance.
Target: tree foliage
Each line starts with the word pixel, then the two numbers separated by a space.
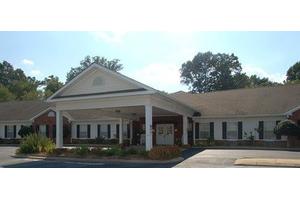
pixel 287 127
pixel 5 94
pixel 293 73
pixel 255 81
pixel 20 86
pixel 52 84
pixel 213 72
pixel 88 60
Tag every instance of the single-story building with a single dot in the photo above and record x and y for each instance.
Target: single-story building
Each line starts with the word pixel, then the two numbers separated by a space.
pixel 100 103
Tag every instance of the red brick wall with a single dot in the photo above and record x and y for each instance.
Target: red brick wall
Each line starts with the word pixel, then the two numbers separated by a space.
pixel 296 117
pixel 44 119
pixel 176 120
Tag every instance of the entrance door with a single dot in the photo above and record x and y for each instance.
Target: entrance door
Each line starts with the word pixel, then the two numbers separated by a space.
pixel 165 134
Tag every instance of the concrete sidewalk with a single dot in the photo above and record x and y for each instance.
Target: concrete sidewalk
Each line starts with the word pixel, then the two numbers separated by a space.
pixel 272 162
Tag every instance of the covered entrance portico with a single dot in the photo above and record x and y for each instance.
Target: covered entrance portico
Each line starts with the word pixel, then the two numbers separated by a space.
pixel 138 104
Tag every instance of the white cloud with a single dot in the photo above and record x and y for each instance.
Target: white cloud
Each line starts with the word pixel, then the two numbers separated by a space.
pixel 165 77
pixel 35 72
pixel 250 70
pixel 109 36
pixel 27 62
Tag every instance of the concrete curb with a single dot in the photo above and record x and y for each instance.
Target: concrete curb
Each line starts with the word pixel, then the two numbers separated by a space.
pixel 95 160
pixel 250 148
pixel 271 162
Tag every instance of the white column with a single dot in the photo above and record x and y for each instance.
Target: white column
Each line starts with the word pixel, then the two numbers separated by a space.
pixel 131 131
pixel 59 129
pixel 121 131
pixel 148 126
pixel 184 130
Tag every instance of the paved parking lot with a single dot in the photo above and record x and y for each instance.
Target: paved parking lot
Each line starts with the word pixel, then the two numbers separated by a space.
pixel 194 157
pixel 227 157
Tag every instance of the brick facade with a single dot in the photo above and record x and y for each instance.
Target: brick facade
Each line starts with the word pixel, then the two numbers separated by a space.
pixel 50 122
pixel 296 117
pixel 175 120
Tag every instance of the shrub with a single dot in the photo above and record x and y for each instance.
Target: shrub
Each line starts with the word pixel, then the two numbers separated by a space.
pixel 82 150
pixel 100 140
pixel 35 143
pixel 98 151
pixel 178 141
pixel 143 153
pixel 113 141
pixel 287 127
pixel 25 131
pixel 164 152
pixel 132 151
pixel 60 151
pixel 114 151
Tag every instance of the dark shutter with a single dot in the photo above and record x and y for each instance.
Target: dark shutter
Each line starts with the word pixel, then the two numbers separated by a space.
pixel 15 131
pixel 261 130
pixel 240 130
pixel 5 131
pixel 224 130
pixel 128 130
pixel 98 130
pixel 118 130
pixel 89 131
pixel 211 130
pixel 108 130
pixel 278 137
pixel 78 131
pixel 47 130
pixel 54 131
pixel 197 132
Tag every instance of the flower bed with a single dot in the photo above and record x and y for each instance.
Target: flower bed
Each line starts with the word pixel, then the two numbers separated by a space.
pixel 35 144
pixel 164 152
pixel 101 152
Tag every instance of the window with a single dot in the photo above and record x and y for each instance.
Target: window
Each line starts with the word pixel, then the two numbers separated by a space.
pixel 10 131
pixel 196 130
pixel 204 130
pixel 98 81
pixel 269 130
pixel 42 130
pixel 232 130
pixel 51 114
pixel 83 132
pixel 104 131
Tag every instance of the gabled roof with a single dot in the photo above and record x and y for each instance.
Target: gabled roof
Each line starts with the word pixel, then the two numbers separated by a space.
pixel 244 102
pixel 135 85
pixel 138 88
pixel 22 110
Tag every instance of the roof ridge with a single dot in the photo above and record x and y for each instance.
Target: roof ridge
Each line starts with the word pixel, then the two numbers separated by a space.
pixel 248 88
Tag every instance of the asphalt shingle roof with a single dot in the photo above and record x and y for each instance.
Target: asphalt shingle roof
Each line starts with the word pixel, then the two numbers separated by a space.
pixel 250 101
pixel 21 110
pixel 253 101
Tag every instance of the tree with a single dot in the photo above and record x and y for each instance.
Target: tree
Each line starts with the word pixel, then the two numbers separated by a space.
pixel 109 64
pixel 52 84
pixel 212 72
pixel 293 73
pixel 287 127
pixel 18 84
pixel 290 129
pixel 255 81
pixel 5 94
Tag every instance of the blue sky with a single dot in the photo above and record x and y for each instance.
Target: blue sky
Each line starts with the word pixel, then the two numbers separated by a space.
pixel 153 58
